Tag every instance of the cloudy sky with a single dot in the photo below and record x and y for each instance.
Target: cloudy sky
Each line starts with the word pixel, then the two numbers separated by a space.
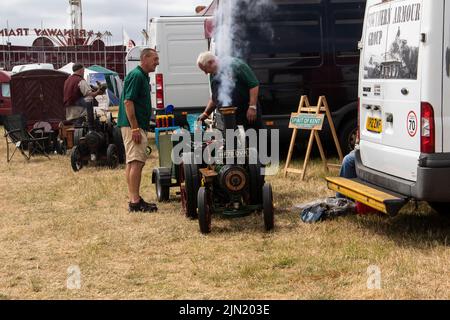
pixel 98 15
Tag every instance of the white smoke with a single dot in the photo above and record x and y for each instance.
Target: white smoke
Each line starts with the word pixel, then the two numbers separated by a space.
pixel 231 38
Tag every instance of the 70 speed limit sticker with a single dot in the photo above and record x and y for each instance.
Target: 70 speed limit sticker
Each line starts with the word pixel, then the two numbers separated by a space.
pixel 412 124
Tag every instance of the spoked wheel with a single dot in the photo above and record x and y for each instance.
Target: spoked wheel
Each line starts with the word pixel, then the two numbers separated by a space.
pixel 112 156
pixel 189 185
pixel 268 211
pixel 162 192
pixel 76 160
pixel 204 211
pixel 60 147
pixel 118 141
pixel 77 135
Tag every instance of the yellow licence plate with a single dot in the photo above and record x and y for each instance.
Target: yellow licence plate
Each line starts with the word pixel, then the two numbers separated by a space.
pixel 374 125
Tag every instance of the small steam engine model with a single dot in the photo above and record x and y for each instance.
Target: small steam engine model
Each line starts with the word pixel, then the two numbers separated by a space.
pixel 233 190
pixel 98 141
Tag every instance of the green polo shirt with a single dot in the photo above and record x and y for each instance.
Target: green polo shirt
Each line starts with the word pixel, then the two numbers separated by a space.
pixel 243 78
pixel 136 88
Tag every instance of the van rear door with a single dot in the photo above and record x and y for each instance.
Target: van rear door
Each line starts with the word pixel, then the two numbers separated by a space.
pixel 390 88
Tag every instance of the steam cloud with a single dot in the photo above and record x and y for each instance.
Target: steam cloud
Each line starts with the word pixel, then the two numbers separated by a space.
pixel 231 34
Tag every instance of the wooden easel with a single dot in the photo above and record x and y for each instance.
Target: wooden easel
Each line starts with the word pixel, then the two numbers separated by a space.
pixel 305 107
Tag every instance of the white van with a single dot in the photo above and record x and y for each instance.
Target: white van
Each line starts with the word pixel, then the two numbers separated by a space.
pixel 404 103
pixel 33 66
pixel 177 80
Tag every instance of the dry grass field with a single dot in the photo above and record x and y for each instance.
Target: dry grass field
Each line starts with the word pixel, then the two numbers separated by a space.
pixel 52 218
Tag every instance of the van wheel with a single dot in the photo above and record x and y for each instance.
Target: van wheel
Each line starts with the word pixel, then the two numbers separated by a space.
pixel 347 137
pixel 443 208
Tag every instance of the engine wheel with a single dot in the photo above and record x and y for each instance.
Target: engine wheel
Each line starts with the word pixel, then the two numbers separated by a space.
pixel 112 156
pixel 162 192
pixel 268 211
pixel 189 185
pixel 204 211
pixel 77 135
pixel 118 141
pixel 76 159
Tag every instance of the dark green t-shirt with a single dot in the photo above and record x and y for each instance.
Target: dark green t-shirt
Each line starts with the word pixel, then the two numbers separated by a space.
pixel 244 79
pixel 136 88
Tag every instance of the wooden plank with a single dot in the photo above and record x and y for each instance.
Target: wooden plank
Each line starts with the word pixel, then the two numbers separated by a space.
pixel 311 110
pixel 291 151
pixel 308 154
pixel 334 165
pixel 362 189
pixel 297 171
pixel 357 196
pixel 322 153
pixel 323 100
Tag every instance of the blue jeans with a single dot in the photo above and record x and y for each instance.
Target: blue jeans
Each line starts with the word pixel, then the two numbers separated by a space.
pixel 348 169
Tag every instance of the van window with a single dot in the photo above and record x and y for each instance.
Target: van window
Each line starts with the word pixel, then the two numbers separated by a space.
pixel 299 42
pixel 6 93
pixel 347 26
pixel 392 40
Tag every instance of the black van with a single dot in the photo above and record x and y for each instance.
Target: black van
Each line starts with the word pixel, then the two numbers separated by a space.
pixel 306 47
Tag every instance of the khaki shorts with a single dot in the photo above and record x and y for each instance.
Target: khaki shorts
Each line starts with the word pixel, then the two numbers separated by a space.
pixel 134 151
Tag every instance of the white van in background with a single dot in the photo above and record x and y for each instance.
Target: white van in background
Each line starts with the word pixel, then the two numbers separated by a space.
pixel 177 80
pixel 33 66
pixel 404 111
pixel 133 58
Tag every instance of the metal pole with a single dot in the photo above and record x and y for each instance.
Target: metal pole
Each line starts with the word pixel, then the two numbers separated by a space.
pixel 146 26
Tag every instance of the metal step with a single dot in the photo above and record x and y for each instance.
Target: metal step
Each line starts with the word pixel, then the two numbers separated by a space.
pixel 372 196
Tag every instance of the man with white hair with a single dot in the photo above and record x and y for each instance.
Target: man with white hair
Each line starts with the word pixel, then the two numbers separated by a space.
pixel 244 96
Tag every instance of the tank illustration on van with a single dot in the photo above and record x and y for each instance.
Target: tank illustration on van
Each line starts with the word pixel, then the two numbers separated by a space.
pixel 399 62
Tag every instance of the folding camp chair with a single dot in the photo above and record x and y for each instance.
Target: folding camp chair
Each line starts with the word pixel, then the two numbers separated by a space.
pixel 28 143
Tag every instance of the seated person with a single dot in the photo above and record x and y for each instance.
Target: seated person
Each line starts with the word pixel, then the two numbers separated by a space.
pixel 348 168
pixel 78 95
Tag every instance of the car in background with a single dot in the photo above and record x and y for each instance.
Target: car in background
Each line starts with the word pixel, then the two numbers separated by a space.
pixel 5 94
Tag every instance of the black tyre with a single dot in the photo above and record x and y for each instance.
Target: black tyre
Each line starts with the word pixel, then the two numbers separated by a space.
pixel 443 208
pixel 77 135
pixel 190 184
pixel 204 211
pixel 118 141
pixel 76 159
pixel 162 192
pixel 347 136
pixel 112 156
pixel 268 211
pixel 60 147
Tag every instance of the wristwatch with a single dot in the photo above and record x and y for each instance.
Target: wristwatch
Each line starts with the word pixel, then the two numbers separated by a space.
pixel 252 107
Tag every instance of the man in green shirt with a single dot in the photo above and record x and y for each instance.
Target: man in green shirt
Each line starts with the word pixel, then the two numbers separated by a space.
pixel 134 121
pixel 244 96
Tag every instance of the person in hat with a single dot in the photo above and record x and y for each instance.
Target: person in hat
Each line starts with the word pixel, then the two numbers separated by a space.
pixel 78 94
